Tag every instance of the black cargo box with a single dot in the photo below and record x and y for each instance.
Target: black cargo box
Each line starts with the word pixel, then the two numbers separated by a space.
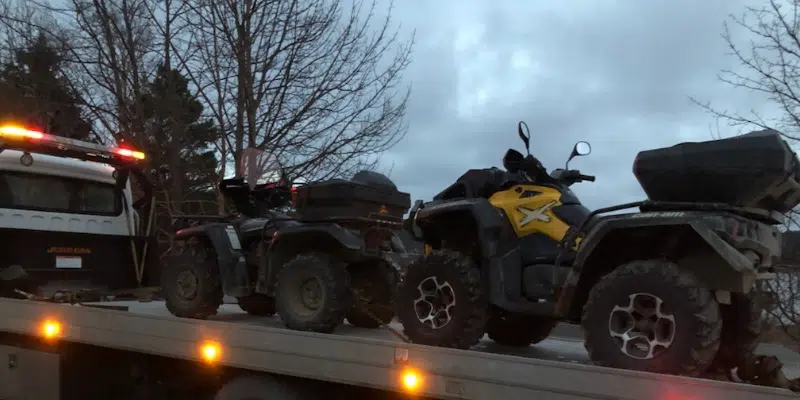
pixel 368 195
pixel 757 170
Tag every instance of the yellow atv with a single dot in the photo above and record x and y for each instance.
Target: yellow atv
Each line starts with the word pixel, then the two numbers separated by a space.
pixel 668 289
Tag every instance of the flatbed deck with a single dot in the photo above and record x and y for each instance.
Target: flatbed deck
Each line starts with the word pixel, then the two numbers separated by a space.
pixel 555 369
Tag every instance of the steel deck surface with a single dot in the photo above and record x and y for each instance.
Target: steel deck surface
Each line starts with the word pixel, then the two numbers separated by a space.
pixel 556 368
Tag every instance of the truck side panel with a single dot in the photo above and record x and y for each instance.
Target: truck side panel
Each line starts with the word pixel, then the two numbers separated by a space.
pixel 28 374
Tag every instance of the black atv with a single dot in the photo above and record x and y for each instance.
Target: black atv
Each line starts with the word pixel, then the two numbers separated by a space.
pixel 323 258
pixel 218 255
pixel 669 289
pixel 336 259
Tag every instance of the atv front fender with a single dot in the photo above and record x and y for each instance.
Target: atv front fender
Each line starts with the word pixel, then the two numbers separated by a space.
pixel 498 245
pixel 342 237
pixel 224 240
pixel 726 268
pixel 433 217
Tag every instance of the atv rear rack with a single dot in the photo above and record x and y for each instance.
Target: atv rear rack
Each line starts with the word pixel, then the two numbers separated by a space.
pixel 651 206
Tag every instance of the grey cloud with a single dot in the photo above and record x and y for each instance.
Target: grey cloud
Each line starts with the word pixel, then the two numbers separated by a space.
pixel 617 74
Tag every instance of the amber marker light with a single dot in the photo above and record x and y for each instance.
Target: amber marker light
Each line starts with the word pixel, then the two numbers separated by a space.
pixel 51 329
pixel 411 380
pixel 19 132
pixel 211 352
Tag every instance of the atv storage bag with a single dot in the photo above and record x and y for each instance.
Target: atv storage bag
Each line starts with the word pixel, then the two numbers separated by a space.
pixel 368 195
pixel 757 170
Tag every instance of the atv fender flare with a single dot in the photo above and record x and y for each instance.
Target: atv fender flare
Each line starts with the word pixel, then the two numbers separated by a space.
pixel 499 246
pixel 734 261
pixel 343 237
pixel 224 240
pixel 291 239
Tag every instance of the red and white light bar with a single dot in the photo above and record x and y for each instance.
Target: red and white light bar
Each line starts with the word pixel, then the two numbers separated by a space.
pixel 20 138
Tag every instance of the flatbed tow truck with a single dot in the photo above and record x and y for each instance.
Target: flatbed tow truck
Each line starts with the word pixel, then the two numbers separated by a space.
pixel 136 350
pixel 60 351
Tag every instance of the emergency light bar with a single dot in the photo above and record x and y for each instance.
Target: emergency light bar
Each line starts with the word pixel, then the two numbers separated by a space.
pixel 19 138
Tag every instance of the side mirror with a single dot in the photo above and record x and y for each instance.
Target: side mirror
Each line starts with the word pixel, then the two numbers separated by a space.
pixel 525 135
pixel 580 149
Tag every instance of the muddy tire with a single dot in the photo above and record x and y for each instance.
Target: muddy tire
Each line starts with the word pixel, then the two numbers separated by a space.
pixel 741 330
pixel 312 293
pixel 652 300
pixel 373 286
pixel 433 282
pixel 190 281
pixel 257 304
pixel 518 330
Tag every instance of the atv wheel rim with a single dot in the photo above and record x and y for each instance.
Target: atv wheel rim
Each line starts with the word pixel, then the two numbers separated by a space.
pixel 187 284
pixel 434 305
pixel 642 328
pixel 311 294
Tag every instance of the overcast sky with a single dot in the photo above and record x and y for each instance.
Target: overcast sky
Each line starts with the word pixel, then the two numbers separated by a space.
pixel 615 73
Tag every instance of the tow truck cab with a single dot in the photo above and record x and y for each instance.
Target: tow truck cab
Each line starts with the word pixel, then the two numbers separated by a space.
pixel 67 212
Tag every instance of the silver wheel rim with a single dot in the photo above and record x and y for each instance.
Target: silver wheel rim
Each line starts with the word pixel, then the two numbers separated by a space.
pixel 434 305
pixel 642 328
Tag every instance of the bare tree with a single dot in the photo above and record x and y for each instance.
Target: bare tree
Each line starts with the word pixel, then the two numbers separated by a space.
pixel 110 50
pixel 769 65
pixel 307 80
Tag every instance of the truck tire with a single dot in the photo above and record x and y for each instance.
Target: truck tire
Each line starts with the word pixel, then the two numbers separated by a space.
pixel 257 304
pixel 190 281
pixel 373 287
pixel 518 330
pixel 652 316
pixel 312 293
pixel 263 387
pixel 442 301
pixel 741 330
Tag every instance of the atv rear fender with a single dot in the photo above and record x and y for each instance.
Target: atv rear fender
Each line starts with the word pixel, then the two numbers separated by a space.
pixel 224 240
pixel 476 224
pixel 294 238
pixel 690 241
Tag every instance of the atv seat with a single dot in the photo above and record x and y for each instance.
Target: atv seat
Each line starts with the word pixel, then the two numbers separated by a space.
pixel 256 201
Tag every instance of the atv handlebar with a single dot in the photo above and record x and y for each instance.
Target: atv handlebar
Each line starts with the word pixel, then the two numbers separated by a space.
pixel 589 178
pixel 571 176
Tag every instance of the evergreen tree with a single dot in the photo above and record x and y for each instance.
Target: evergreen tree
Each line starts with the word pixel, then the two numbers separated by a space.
pixel 34 92
pixel 180 137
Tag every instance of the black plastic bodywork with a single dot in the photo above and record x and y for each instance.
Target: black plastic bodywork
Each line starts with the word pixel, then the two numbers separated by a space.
pixel 294 237
pixel 500 249
pixel 229 253
pixel 257 201
pixel 758 170
pixel 267 238
pixel 727 230
pixel 368 195
pixel 478 183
